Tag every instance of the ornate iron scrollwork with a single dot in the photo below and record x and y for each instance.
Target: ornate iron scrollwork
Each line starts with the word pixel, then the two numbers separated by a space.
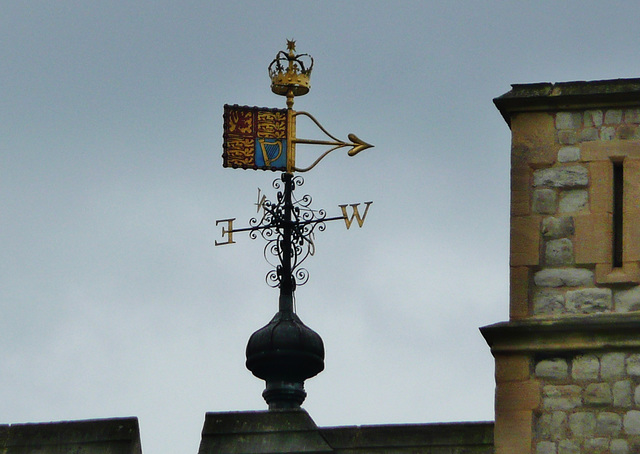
pixel 288 227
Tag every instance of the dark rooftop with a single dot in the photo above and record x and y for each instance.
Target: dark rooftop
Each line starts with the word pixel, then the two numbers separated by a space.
pixel 293 431
pixel 98 436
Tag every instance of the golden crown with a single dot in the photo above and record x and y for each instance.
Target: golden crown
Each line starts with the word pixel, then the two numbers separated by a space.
pixel 290 73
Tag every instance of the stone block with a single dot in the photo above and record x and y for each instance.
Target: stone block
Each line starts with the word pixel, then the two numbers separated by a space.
pixel 613 149
pixel 622 394
pixel 557 227
pixel 588 135
pixel 598 394
pixel 574 200
pixel 561 397
pixel 613 117
pixel 517 395
pixel 568 120
pixel 568 447
pixel 546 447
pixel 585 367
pixel 636 395
pixel 567 137
pixel 548 302
pixel 593 239
pixel 559 252
pixel 631 223
pixel 631 184
pixel 533 138
pixel 569 154
pixel 555 368
pixel 520 176
pixel 525 240
pixel 519 292
pixel 608 424
pixel 513 432
pixel 545 201
pixel 601 187
pixel 593 118
pixel 633 364
pixel 629 273
pixel 561 177
pixel 552 426
pixel 619 446
pixel 589 301
pixel 582 424
pixel 632 116
pixel 512 368
pixel 607 133
pixel 612 365
pixel 631 236
pixel 520 186
pixel 563 277
pixel 627 132
pixel 596 446
pixel 631 422
pixel 627 300
pixel 520 203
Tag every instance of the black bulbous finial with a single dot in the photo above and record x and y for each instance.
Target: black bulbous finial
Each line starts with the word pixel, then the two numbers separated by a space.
pixel 285 353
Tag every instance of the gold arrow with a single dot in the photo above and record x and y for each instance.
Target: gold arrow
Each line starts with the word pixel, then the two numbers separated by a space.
pixel 356 144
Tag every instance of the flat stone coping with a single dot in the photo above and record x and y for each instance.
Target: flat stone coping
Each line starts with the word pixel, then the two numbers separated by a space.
pixel 568 95
pixel 570 333
pixel 113 436
pixel 293 431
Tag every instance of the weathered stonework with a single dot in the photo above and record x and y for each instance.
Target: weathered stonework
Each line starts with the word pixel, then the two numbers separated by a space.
pixel 622 394
pixel 552 368
pixel 567 139
pixel 627 300
pixel 612 366
pixel 561 177
pixel 589 408
pixel 545 201
pixel 559 252
pixel 573 201
pixel 568 120
pixel 585 367
pixel 569 154
pixel 589 300
pixel 563 277
pixel 548 302
pixel 557 227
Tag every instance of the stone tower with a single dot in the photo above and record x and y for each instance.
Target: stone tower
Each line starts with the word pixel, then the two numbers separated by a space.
pixel 567 363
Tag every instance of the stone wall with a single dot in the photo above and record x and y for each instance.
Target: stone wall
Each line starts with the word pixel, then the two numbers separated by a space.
pixel 562 205
pixel 590 403
pixel 568 359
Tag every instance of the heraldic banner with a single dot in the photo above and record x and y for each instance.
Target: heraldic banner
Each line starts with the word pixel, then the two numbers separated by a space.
pixel 255 138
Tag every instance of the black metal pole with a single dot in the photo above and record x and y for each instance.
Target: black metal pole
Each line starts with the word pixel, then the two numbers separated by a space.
pixel 287 281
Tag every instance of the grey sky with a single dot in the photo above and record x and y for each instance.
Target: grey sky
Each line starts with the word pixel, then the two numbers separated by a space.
pixel 115 301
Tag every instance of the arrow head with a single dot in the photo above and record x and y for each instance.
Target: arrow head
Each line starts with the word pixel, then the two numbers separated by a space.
pixel 358 145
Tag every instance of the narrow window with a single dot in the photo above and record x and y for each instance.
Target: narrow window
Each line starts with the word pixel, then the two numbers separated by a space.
pixel 618 195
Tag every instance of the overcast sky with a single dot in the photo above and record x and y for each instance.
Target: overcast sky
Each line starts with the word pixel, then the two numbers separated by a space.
pixel 115 301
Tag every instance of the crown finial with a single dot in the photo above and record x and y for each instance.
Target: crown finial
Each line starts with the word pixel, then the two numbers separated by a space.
pixel 290 73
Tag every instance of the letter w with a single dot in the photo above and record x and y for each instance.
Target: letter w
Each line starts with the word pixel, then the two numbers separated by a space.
pixel 356 214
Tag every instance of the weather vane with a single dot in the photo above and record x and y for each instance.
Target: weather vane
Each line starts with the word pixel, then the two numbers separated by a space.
pixel 285 352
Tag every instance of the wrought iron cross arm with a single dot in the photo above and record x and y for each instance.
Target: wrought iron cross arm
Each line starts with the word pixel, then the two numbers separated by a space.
pixel 317 221
pixel 229 230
